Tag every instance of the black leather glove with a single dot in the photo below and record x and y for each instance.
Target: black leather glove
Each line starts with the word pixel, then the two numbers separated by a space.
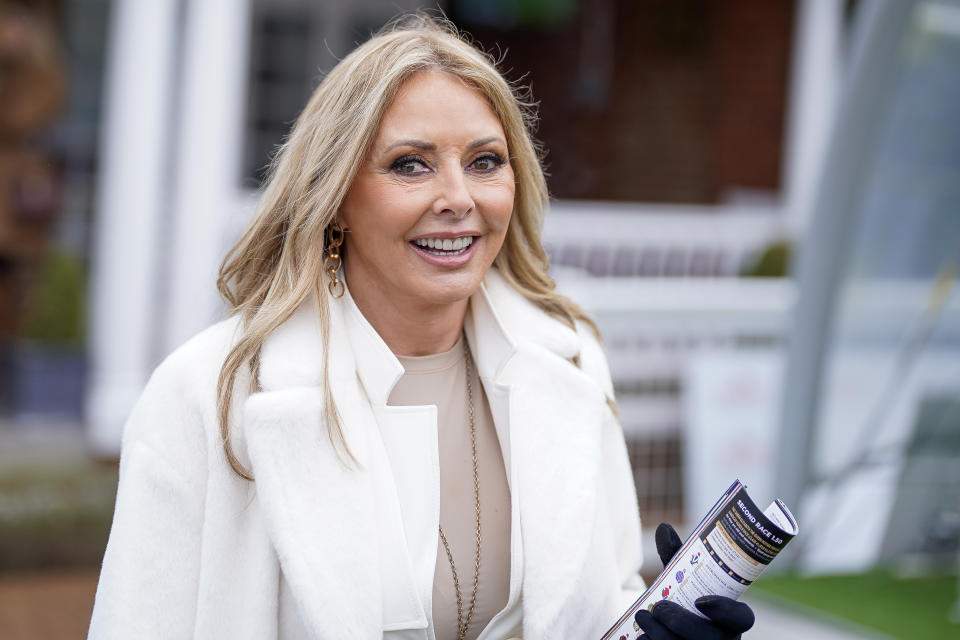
pixel 669 621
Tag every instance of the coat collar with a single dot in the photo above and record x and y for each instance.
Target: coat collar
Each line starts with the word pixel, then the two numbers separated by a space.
pixel 499 318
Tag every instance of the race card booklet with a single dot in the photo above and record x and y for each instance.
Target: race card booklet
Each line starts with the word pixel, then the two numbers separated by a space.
pixel 727 551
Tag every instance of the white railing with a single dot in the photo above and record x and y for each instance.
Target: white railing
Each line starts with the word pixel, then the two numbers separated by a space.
pixel 653 327
pixel 626 239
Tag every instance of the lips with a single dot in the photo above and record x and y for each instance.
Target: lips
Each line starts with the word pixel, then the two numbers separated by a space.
pixel 446 252
pixel 444 246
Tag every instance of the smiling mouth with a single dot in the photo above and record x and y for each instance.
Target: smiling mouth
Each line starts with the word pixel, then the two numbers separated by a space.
pixel 444 246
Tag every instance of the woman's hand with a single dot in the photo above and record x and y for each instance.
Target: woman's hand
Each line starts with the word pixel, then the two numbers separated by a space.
pixel 727 618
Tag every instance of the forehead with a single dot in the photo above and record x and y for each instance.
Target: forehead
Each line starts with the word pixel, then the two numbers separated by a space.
pixel 434 104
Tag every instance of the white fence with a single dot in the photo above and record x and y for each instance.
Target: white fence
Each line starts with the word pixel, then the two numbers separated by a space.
pixel 662 283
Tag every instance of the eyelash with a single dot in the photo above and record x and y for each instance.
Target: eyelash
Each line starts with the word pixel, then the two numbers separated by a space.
pixel 497 160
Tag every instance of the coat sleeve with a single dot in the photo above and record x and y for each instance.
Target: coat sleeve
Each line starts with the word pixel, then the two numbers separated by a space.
pixel 620 490
pixel 150 573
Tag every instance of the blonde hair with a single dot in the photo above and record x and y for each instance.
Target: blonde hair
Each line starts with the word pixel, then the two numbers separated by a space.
pixel 278 261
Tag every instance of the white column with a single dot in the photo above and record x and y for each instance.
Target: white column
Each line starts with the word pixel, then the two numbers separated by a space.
pixel 132 188
pixel 813 99
pixel 207 161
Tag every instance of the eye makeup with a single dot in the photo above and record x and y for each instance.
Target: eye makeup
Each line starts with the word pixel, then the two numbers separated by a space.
pixel 412 165
pixel 402 164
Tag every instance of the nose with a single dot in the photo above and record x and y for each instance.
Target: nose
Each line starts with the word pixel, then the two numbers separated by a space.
pixel 453 195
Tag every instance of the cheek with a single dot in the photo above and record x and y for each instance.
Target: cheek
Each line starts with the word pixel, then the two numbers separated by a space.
pixel 499 221
pixel 500 204
pixel 506 213
pixel 381 217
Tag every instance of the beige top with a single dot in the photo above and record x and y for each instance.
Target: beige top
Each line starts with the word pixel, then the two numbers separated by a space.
pixel 441 380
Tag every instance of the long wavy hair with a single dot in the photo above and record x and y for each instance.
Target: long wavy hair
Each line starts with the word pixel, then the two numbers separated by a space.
pixel 278 262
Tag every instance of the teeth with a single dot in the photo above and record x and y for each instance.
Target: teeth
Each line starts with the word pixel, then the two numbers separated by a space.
pixel 445 244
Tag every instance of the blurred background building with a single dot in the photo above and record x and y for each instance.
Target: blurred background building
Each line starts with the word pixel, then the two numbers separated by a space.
pixel 759 200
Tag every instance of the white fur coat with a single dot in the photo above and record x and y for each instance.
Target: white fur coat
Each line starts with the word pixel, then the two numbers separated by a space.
pixel 317 550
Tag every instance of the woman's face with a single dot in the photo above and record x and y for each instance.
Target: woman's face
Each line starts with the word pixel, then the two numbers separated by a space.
pixel 429 208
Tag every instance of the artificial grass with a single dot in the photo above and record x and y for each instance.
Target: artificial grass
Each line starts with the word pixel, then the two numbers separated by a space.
pixel 914 608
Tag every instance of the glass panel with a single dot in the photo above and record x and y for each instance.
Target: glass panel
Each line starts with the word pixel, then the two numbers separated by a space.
pixel 893 355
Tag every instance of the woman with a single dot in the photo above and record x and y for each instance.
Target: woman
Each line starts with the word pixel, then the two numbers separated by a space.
pixel 402 431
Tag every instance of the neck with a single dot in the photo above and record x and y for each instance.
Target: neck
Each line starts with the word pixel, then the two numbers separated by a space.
pixel 412 329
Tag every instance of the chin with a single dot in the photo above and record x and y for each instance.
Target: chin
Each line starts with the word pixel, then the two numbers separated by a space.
pixel 452 288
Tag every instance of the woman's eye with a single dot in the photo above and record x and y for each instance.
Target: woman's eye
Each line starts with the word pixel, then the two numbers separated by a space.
pixel 487 162
pixel 409 166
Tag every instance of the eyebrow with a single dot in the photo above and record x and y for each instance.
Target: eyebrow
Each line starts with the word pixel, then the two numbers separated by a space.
pixel 479 142
pixel 429 146
pixel 416 144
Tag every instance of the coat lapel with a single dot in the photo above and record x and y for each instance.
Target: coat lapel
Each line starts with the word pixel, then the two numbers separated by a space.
pixel 334 524
pixel 555 430
pixel 555 413
pixel 312 506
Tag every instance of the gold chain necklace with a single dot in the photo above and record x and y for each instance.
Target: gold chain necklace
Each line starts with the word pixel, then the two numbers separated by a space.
pixel 463 625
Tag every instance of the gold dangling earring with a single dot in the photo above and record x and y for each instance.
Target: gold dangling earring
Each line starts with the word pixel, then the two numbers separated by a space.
pixel 333 261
